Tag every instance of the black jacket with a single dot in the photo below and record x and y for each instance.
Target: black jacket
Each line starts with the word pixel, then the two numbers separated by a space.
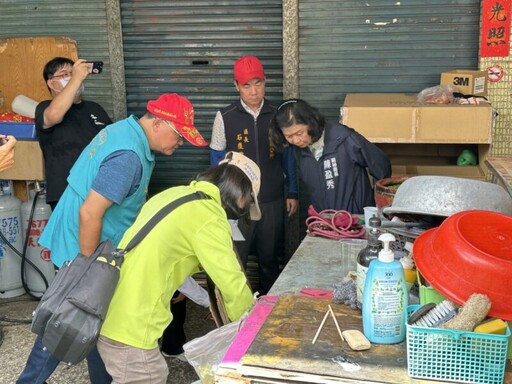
pixel 339 180
pixel 246 135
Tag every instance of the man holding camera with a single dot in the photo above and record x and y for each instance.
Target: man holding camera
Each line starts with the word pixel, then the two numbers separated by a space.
pixel 67 123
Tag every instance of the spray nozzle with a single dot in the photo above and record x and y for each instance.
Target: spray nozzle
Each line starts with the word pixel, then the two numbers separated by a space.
pixel 386 254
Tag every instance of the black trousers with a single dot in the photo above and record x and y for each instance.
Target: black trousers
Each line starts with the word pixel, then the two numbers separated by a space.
pixel 174 335
pixel 265 237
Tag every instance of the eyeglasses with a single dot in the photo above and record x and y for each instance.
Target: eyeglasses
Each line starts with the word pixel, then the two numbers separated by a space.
pixel 180 136
pixel 64 75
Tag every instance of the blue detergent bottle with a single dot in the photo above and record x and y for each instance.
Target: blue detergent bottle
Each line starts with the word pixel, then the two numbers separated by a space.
pixel 385 297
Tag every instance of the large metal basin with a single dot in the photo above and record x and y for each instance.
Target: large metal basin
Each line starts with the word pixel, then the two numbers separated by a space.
pixel 443 196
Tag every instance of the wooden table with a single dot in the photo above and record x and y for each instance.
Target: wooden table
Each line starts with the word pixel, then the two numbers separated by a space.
pixel 283 353
pixel 501 171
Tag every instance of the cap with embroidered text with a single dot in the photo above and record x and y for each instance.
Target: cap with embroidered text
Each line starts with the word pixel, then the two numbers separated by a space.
pixel 252 171
pixel 178 110
pixel 247 68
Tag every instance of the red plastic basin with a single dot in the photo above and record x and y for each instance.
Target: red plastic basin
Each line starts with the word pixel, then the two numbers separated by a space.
pixel 470 252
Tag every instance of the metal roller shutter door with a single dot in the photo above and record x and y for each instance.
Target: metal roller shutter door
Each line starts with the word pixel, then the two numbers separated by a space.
pixel 189 48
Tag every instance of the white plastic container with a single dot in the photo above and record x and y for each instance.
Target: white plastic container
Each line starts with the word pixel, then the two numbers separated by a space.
pixel 24 106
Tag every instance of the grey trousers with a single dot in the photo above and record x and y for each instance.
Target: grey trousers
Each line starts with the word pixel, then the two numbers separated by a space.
pixel 132 365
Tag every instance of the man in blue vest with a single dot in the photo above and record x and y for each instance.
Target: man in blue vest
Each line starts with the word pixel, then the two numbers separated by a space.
pixel 107 186
pixel 243 127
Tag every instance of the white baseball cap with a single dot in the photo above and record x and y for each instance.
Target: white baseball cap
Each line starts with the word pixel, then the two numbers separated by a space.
pixel 252 171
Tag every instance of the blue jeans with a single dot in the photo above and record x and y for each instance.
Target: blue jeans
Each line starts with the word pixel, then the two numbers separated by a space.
pixel 41 364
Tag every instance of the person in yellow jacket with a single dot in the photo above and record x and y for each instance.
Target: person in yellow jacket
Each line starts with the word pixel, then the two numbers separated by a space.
pixel 195 234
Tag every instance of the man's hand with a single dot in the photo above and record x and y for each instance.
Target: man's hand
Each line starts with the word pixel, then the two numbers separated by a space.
pixel 291 206
pixel 81 69
pixel 178 298
pixel 7 152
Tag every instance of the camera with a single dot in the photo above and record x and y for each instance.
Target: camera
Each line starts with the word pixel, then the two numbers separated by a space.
pixel 96 67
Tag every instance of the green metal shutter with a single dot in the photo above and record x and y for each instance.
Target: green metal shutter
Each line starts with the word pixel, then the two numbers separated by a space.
pixel 83 21
pixel 189 47
pixel 382 46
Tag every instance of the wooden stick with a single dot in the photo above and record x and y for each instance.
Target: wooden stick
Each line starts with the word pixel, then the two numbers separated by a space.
pixel 320 327
pixel 336 322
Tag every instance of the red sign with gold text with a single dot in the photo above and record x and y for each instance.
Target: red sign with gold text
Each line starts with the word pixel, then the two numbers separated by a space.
pixel 495 40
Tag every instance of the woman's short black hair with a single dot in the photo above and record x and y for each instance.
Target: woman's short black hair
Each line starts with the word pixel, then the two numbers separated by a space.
pixel 291 112
pixel 234 187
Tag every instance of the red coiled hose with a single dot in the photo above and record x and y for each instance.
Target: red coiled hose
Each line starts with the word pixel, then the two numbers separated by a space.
pixel 333 224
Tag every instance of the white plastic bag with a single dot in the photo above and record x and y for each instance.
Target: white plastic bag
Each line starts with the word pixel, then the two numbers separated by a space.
pixel 440 94
pixel 206 352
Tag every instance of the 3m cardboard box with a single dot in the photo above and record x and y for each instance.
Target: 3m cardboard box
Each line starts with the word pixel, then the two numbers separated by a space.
pixel 467 81
pixel 399 118
pixel 28 162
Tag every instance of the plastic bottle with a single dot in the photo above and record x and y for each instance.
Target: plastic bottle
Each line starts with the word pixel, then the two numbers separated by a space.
pixel 408 265
pixel 367 254
pixel 385 297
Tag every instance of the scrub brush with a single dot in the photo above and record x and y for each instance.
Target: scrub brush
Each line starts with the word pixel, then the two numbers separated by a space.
pixel 472 313
pixel 432 316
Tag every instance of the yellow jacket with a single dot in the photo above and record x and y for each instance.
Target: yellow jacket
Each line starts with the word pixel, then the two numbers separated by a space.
pixel 195 234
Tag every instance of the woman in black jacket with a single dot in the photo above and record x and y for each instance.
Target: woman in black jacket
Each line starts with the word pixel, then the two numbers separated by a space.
pixel 334 160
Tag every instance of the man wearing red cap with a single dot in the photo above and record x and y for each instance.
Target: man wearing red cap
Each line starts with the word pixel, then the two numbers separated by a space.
pixel 106 189
pixel 243 127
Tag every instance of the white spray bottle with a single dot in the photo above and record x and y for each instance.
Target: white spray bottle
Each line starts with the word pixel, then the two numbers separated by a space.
pixel 385 297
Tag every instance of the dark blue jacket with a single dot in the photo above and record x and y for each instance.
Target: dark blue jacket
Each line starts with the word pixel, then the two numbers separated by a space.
pixel 339 180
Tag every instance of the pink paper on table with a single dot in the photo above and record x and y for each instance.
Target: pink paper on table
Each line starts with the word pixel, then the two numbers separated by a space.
pixel 248 332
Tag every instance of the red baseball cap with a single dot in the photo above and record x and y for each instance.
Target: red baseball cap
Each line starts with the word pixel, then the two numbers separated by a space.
pixel 247 68
pixel 178 110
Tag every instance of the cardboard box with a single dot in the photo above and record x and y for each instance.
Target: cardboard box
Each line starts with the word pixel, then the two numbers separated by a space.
pixel 399 118
pixel 18 130
pixel 435 159
pixel 467 81
pixel 28 162
pixel 470 172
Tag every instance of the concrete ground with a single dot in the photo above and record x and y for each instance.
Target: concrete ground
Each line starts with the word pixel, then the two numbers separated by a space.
pixel 16 340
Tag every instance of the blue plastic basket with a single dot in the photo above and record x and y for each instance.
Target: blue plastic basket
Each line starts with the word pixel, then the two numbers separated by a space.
pixel 462 357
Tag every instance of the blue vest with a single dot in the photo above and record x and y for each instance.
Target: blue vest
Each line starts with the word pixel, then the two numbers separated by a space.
pixel 61 232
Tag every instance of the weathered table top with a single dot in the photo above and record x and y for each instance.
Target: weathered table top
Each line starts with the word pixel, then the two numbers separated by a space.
pixel 501 170
pixel 317 263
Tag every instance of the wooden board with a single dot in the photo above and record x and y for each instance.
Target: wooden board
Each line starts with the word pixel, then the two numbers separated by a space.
pixel 283 348
pixel 501 170
pixel 22 61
